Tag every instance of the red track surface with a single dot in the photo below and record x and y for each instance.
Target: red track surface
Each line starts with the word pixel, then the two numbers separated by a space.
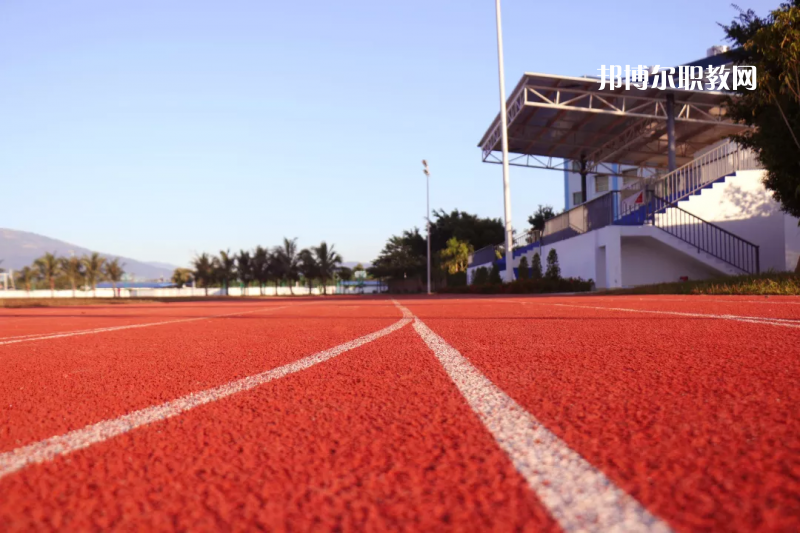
pixel 693 416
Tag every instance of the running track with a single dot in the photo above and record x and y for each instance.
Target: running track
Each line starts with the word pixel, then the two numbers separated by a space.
pixel 470 414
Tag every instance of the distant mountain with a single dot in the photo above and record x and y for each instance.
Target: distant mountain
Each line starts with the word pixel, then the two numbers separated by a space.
pixel 20 248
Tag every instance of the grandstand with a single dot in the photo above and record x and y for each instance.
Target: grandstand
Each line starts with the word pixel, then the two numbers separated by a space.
pixel 653 189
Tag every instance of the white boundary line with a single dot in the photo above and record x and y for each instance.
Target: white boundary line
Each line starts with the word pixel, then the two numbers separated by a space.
pixel 45 336
pixel 49 449
pixel 787 323
pixel 577 495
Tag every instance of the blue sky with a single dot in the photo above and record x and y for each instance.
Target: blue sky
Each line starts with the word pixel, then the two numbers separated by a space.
pixel 157 130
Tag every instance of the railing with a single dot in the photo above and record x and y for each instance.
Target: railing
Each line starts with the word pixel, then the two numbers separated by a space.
pixel 526 237
pixel 723 160
pixel 704 235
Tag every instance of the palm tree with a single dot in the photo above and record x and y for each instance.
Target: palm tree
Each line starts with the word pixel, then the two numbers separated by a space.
pixel 455 257
pixel 307 264
pixel 244 269
pixel 181 276
pixel 49 268
pixel 94 270
pixel 262 266
pixel 203 270
pixel 275 271
pixel 287 262
pixel 327 262
pixel 114 272
pixel 224 268
pixel 27 276
pixel 73 268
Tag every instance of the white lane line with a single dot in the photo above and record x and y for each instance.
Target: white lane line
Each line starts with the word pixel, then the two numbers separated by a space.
pixel 49 449
pixel 45 336
pixel 577 495
pixel 787 323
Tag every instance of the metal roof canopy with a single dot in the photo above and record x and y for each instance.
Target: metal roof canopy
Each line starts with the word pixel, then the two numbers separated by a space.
pixel 556 119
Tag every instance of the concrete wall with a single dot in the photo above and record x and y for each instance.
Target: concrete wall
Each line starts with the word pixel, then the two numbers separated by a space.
pixel 626 256
pixel 742 205
pixel 646 260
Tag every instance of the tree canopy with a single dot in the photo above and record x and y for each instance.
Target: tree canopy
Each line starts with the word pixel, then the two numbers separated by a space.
pixel 772 45
pixel 405 255
pixel 542 215
pixel 465 227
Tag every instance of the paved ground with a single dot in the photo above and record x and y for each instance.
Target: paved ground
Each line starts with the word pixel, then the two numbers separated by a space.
pixel 562 413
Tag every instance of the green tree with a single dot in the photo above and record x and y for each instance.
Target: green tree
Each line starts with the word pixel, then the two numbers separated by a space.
pixel 455 256
pixel 225 269
pixel 536 266
pixel 345 273
pixel 287 263
pixel 328 261
pixel 465 227
pixel 203 270
pixel 72 267
pixel 307 265
pixel 772 45
pixel 481 276
pixel 244 269
pixel 542 215
pixel 114 271
pixel 49 268
pixel 524 270
pixel 262 267
pixel 93 268
pixel 553 270
pixel 180 276
pixel 403 256
pixel 27 276
pixel 494 275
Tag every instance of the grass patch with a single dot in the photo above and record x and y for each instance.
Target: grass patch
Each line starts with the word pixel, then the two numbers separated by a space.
pixel 769 284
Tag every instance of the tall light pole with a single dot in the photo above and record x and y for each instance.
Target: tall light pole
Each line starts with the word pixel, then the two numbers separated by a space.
pixel 504 126
pixel 428 215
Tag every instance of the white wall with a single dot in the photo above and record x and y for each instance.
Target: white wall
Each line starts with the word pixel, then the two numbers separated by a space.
pixel 162 293
pixel 742 205
pixel 646 260
pixel 792 236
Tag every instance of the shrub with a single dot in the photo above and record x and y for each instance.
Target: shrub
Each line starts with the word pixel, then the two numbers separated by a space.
pixel 524 271
pixel 553 270
pixel 536 267
pixel 526 286
pixel 481 276
pixel 494 275
pixel 459 279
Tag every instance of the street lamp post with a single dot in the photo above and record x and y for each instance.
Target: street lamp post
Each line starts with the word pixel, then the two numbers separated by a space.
pixel 428 215
pixel 504 126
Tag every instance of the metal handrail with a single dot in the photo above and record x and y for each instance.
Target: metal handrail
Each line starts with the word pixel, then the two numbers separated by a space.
pixel 723 160
pixel 704 235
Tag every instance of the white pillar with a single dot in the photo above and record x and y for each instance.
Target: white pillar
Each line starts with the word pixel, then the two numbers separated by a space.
pixel 504 125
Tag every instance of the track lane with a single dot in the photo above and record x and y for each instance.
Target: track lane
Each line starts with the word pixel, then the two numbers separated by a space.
pixel 692 416
pixel 26 322
pixel 375 439
pixel 59 385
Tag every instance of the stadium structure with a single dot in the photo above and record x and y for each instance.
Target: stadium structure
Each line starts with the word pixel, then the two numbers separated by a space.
pixel 654 190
